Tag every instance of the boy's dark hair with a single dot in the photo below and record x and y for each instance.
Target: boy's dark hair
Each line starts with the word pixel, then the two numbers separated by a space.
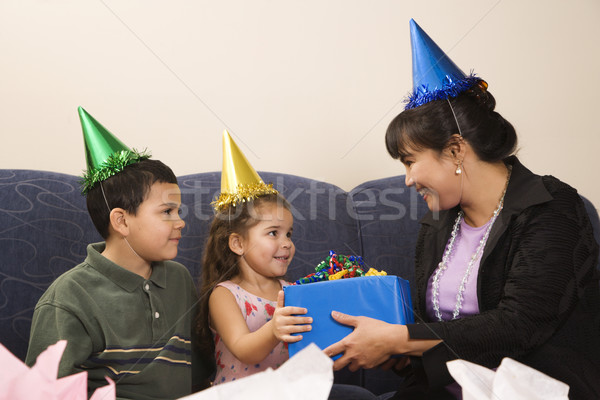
pixel 126 190
pixel 432 125
pixel 219 262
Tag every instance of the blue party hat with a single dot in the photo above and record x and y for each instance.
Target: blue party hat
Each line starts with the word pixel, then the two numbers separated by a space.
pixel 435 76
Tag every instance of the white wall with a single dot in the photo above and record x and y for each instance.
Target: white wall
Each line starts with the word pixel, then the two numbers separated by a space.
pixel 306 87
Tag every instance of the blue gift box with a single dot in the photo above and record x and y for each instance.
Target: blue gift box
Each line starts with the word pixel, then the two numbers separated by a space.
pixel 386 298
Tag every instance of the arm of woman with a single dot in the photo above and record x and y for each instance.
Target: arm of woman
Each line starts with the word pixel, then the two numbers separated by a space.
pixel 251 347
pixel 548 263
pixel 541 266
pixel 373 342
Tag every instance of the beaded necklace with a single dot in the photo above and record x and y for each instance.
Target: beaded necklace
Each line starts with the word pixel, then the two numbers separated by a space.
pixel 443 265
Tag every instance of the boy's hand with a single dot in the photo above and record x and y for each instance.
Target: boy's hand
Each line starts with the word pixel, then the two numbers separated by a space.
pixel 285 323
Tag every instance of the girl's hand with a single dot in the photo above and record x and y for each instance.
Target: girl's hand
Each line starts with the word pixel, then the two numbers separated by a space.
pixel 285 323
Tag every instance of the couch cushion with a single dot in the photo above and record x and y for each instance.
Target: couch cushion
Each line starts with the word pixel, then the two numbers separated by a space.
pixel 44 231
pixel 388 214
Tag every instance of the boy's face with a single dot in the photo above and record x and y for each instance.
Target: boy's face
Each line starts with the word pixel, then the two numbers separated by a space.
pixel 155 230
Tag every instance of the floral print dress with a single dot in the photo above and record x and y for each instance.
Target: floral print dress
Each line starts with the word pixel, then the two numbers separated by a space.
pixel 257 312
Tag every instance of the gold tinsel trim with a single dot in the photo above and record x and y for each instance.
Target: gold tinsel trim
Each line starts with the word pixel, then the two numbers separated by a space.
pixel 243 193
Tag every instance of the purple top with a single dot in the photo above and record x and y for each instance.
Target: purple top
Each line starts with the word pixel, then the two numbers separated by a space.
pixel 465 246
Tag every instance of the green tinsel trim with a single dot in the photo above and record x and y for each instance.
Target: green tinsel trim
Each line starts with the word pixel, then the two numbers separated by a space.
pixel 243 194
pixel 112 166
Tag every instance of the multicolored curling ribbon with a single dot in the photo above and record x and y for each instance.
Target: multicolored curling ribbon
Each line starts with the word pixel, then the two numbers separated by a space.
pixel 338 266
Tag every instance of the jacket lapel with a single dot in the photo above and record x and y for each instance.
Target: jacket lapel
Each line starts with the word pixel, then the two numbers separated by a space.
pixel 524 190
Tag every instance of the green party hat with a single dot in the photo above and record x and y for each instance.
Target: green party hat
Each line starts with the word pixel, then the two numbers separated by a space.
pixel 105 155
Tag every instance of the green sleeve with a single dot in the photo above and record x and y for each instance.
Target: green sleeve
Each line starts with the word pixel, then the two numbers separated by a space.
pixel 52 323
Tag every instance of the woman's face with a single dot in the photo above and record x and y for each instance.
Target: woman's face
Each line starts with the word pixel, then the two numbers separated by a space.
pixel 433 176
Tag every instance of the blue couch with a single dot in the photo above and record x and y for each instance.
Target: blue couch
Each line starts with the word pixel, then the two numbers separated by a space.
pixel 45 228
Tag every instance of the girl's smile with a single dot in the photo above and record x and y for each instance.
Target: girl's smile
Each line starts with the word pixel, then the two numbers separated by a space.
pixel 267 248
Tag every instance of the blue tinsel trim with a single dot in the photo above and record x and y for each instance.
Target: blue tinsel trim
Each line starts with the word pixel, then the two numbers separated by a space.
pixel 450 88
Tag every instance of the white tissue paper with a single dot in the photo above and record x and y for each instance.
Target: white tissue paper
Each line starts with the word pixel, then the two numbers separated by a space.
pixel 512 380
pixel 307 375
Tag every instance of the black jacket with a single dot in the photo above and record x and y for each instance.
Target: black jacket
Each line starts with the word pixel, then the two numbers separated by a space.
pixel 537 288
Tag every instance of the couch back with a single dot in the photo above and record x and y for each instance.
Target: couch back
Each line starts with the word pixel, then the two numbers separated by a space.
pixel 45 229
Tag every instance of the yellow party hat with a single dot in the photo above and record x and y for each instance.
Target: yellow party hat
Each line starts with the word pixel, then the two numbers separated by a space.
pixel 239 181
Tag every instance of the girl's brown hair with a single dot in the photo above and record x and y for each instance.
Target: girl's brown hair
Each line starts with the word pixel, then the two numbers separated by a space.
pixel 219 263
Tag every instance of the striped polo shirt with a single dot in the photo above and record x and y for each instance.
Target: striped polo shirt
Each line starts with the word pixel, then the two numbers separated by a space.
pixel 117 324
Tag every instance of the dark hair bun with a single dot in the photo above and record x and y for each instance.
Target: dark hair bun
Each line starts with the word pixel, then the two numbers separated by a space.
pixel 481 96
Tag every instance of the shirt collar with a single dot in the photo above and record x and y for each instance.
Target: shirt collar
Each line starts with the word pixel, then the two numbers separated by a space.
pixel 524 190
pixel 125 279
pixel 159 274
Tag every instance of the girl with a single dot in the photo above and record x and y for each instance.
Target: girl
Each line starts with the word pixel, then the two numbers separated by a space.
pixel 242 318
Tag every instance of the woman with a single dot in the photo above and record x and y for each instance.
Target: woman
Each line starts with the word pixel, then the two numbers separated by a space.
pixel 505 259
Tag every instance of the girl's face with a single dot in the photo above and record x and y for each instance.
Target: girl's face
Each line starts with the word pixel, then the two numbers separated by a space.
pixel 434 178
pixel 267 248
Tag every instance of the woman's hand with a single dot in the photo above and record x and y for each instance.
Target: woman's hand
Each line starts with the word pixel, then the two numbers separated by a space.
pixel 285 323
pixel 373 342
pixel 370 344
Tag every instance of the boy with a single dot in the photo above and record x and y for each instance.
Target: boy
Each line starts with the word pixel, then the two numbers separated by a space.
pixel 125 311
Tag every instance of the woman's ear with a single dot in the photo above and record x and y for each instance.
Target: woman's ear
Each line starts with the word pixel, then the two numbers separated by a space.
pixel 456 148
pixel 118 221
pixel 236 244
